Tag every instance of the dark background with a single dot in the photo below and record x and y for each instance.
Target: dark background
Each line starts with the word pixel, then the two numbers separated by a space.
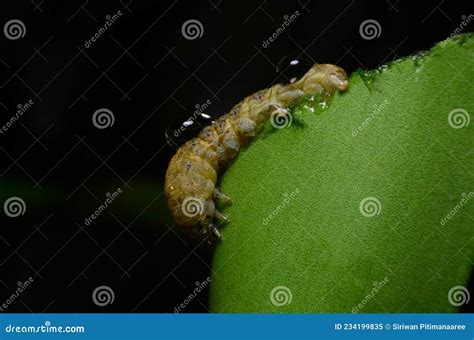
pixel 151 78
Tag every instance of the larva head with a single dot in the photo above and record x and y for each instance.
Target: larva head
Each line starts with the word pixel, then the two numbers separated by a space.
pixel 324 77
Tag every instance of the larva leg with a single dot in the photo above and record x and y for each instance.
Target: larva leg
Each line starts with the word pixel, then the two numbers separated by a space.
pixel 221 196
pixel 246 127
pixel 217 233
pixel 221 217
pixel 212 233
pixel 339 81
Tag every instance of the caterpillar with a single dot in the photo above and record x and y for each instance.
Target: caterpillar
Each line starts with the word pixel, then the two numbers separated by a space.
pixel 190 182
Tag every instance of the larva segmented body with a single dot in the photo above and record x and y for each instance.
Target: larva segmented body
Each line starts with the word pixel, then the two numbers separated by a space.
pixel 190 184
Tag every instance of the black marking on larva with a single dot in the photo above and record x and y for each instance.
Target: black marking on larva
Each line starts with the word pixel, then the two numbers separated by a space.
pixel 221 124
pixel 234 112
pixel 193 171
pixel 257 96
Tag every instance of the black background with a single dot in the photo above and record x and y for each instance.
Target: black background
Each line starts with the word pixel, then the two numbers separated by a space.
pixel 151 78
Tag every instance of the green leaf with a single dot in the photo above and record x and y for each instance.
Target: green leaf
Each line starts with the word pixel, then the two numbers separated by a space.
pixel 398 141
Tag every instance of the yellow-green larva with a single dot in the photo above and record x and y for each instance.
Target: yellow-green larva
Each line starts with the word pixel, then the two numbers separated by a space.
pixel 190 184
